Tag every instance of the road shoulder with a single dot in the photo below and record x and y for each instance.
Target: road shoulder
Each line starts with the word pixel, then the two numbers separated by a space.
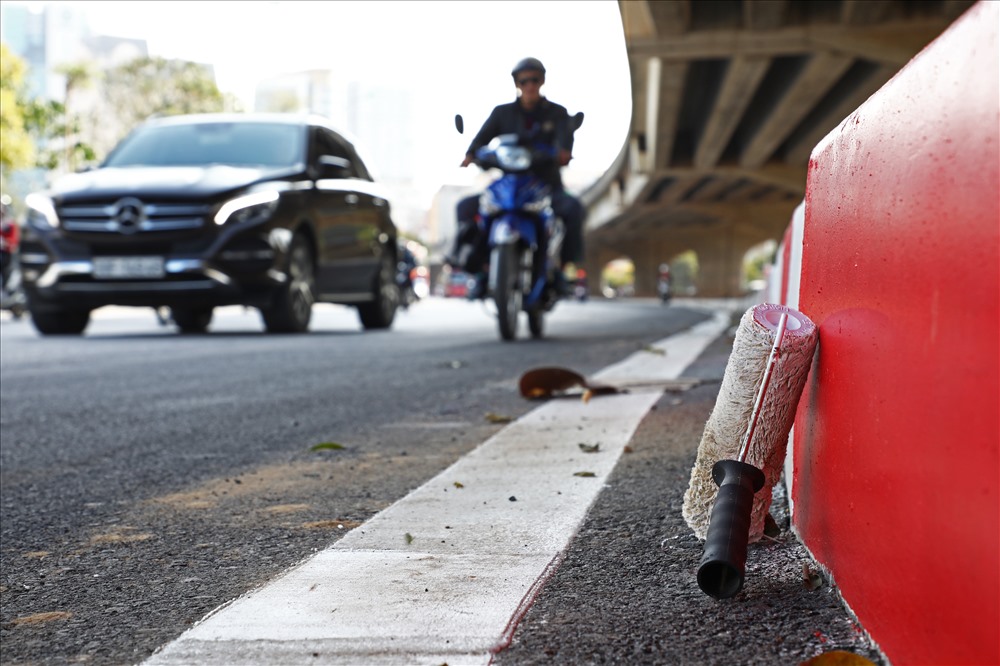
pixel 626 591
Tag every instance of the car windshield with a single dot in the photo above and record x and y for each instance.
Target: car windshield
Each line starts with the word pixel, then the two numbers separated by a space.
pixel 230 143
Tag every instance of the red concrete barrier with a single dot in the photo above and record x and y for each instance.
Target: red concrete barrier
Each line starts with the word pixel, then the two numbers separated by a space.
pixel 896 438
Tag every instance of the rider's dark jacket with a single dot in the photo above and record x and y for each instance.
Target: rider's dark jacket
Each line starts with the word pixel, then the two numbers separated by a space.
pixel 548 123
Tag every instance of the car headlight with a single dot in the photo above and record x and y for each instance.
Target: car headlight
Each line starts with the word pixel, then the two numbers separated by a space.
pixel 41 212
pixel 513 158
pixel 248 209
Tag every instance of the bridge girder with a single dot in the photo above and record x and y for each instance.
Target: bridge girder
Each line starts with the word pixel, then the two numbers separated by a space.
pixel 729 97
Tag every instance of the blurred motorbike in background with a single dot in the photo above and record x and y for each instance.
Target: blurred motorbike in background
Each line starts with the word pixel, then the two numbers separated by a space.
pixel 12 297
pixel 663 287
pixel 406 270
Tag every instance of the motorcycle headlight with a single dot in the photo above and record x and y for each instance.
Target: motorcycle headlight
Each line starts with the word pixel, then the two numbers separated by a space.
pixel 41 212
pixel 513 158
pixel 248 209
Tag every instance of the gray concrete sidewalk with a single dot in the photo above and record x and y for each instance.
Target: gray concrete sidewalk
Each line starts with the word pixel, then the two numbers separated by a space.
pixel 627 593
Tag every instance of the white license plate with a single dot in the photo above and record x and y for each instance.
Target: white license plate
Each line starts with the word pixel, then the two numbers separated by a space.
pixel 128 267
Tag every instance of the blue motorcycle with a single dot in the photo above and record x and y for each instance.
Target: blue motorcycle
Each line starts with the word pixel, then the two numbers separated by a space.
pixel 525 236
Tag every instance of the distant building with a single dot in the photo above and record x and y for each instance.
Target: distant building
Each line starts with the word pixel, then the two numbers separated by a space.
pixel 299 92
pixel 379 117
pixel 23 31
pixel 56 35
pixel 382 118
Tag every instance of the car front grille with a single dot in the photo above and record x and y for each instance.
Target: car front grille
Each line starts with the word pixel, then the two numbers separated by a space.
pixel 131 216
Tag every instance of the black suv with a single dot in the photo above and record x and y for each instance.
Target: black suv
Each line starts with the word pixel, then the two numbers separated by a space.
pixel 274 212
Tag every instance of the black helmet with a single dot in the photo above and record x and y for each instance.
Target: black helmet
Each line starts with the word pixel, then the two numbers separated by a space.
pixel 533 64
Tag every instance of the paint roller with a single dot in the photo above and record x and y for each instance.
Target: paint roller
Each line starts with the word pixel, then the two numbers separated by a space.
pixel 730 490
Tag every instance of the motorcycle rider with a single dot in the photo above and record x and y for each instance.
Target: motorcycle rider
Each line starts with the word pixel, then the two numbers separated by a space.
pixel 530 112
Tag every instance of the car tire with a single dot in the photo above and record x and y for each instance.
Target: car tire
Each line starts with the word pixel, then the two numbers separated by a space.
pixel 379 313
pixel 291 310
pixel 60 322
pixel 190 320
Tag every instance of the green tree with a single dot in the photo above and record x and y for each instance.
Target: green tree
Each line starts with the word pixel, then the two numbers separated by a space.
pixel 151 86
pixel 38 132
pixel 16 147
pixel 68 121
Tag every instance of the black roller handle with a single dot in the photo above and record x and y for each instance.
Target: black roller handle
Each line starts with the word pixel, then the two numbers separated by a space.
pixel 723 564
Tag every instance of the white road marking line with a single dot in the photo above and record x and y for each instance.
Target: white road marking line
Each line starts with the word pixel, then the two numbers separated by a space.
pixel 482 534
pixel 678 351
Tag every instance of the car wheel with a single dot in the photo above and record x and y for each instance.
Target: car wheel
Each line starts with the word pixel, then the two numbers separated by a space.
pixel 60 322
pixel 292 307
pixel 380 312
pixel 191 320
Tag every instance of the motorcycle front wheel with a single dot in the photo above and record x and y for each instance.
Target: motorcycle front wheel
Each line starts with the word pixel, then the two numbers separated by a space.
pixel 536 322
pixel 505 261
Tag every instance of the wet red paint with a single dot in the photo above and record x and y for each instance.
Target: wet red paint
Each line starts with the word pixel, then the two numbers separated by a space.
pixel 897 435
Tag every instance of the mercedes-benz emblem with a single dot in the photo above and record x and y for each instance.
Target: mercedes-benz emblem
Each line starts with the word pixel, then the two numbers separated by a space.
pixel 128 215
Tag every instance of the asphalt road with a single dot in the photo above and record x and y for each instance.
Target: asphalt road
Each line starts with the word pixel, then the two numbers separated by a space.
pixel 148 477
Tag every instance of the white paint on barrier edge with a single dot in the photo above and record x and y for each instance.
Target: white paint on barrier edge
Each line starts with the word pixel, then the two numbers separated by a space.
pixel 482 533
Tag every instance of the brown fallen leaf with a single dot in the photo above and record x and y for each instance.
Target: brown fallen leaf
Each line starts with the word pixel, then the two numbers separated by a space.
pixel 547 382
pixel 838 658
pixel 810 579
pixel 41 618
pixel 285 508
pixel 584 474
pixel 589 448
pixel 498 418
pixel 121 535
pixel 543 382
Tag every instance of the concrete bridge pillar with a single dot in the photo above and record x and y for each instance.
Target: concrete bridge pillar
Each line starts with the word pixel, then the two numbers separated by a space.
pixel 647 259
pixel 720 259
pixel 720 264
pixel 596 257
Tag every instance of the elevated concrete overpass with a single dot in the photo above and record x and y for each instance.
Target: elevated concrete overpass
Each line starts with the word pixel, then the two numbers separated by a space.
pixel 729 97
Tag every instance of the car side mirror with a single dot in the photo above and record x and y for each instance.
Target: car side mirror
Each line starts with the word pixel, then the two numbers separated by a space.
pixel 331 166
pixel 577 120
pixel 459 123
